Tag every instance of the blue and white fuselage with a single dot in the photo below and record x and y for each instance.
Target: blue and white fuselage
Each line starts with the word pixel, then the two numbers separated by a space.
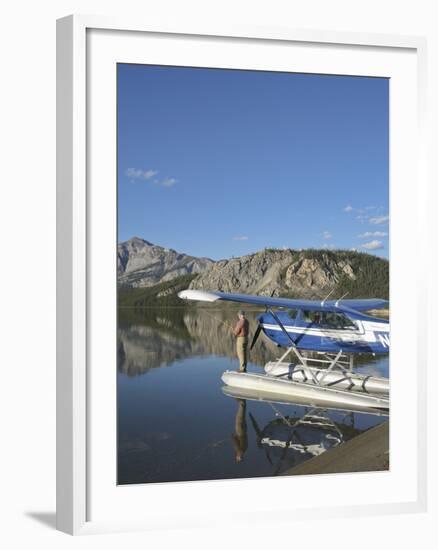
pixel 335 331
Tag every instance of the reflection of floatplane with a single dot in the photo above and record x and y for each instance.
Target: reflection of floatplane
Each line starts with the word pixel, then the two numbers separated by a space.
pixel 335 330
pixel 289 439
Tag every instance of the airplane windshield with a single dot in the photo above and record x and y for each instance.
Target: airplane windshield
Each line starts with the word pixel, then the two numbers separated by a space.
pixel 292 313
pixel 329 319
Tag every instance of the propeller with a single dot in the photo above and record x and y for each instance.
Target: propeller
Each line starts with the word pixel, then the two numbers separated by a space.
pixel 256 335
pixel 259 328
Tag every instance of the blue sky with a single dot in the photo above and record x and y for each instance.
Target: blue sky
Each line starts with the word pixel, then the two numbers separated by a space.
pixel 222 163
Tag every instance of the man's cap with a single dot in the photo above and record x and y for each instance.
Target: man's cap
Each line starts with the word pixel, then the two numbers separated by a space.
pixel 241 312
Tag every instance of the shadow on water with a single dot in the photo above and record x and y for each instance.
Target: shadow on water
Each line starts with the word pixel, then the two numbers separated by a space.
pixel 175 424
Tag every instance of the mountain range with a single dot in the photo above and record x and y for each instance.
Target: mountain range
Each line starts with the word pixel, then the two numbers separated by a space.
pixel 154 272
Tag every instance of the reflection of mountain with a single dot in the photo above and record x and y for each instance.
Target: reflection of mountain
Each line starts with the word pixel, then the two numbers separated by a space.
pixel 149 338
pixel 142 348
pixel 152 341
pixel 155 337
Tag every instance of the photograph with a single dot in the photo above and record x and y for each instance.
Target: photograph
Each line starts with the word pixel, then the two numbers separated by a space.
pixel 253 256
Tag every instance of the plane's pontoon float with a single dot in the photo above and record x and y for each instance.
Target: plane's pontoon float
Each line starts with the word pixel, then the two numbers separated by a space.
pixel 334 330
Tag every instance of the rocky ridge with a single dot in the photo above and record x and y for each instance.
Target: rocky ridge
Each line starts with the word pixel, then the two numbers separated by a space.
pixel 142 264
pixel 275 272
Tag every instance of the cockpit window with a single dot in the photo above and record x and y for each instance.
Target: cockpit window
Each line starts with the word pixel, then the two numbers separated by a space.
pixel 292 313
pixel 339 320
pixel 312 316
pixel 328 319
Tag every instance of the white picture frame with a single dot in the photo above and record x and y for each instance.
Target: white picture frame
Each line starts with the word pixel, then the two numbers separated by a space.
pixel 77 213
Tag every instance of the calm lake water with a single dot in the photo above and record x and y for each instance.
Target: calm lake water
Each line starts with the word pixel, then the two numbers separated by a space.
pixel 176 422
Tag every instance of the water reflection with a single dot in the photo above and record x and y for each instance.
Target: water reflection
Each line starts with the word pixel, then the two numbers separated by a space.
pixel 151 338
pixel 240 436
pixel 177 424
pixel 289 438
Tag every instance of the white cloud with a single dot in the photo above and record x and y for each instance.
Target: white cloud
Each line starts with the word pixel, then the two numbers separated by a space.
pixel 369 234
pixel 139 174
pixel 378 220
pixel 240 238
pixel 364 212
pixel 167 182
pixel 145 175
pixel 326 235
pixel 373 245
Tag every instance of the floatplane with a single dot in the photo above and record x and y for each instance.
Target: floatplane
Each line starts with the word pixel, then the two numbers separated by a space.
pixel 335 331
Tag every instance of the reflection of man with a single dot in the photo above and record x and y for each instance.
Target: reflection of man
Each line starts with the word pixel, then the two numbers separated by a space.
pixel 241 334
pixel 240 438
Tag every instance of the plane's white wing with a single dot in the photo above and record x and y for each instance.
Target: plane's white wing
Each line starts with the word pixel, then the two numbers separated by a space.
pixel 309 305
